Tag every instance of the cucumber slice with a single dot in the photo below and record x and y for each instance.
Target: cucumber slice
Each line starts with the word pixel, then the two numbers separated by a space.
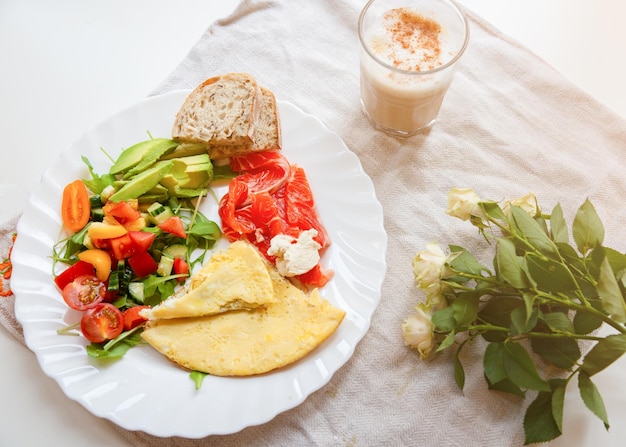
pixel 166 263
pixel 155 209
pixel 136 291
pixel 97 214
pixel 175 251
pixel 114 282
pixel 95 201
pixel 159 213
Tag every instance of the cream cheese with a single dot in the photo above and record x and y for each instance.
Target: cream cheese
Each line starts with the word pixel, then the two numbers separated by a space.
pixel 295 256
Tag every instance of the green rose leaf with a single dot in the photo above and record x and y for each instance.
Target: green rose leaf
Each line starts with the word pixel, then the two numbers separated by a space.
pixel 616 259
pixel 591 397
pixel 558 401
pixel 521 323
pixel 604 353
pixel 508 264
pixel 561 352
pixel 585 322
pixel 465 262
pixel 495 372
pixel 533 233
pixel 587 229
pixel 443 319
pixel 492 209
pixel 558 226
pixel 497 312
pixel 465 309
pixel 610 293
pixel 539 422
pixel 521 369
pixel 447 341
pixel 570 256
pixel 558 322
pixel 549 275
pixel 459 372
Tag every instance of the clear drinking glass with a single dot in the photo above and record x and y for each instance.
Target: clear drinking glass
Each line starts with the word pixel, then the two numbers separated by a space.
pixel 409 52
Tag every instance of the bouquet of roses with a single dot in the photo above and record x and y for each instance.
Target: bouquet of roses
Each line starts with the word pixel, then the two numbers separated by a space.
pixel 535 305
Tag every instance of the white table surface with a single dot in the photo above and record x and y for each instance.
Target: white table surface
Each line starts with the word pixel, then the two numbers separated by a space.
pixel 68 64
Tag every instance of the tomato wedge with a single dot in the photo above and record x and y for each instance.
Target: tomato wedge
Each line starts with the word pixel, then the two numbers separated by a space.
pixel 75 206
pixel 132 319
pixel 143 239
pixel 102 322
pixel 124 212
pixel 143 264
pixel 180 267
pixel 72 272
pixel 84 292
pixel 174 225
pixel 123 247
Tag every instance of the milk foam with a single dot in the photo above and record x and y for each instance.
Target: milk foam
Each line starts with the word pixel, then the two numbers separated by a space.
pixel 406 40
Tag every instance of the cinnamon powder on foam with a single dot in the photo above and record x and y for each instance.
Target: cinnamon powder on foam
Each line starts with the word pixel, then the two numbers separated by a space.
pixel 416 35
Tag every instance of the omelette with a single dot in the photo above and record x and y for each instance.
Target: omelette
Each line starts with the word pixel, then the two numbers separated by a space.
pixel 234 278
pixel 248 342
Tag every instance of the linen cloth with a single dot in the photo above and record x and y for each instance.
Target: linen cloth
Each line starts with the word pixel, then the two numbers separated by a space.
pixel 509 124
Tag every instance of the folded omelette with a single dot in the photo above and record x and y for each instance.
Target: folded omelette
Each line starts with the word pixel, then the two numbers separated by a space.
pixel 246 340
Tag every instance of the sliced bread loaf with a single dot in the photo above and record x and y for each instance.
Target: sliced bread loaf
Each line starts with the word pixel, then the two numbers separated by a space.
pixel 223 110
pixel 267 134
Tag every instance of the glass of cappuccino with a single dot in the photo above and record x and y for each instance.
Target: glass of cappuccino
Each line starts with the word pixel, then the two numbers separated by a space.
pixel 409 52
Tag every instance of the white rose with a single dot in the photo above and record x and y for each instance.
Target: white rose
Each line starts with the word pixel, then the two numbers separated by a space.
pixel 463 203
pixel 429 268
pixel 528 203
pixel 418 332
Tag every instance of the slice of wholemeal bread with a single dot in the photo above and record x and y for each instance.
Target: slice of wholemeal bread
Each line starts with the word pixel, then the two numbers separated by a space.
pixel 267 134
pixel 223 110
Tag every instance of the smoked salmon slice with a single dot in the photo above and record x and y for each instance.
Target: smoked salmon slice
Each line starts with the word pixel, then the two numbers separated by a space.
pixel 268 197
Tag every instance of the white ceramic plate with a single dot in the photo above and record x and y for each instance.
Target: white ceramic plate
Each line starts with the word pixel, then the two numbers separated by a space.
pixel 143 390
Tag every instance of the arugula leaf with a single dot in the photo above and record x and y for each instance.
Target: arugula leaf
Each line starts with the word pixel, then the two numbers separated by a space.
pixel 198 378
pixel 116 348
pixel 97 182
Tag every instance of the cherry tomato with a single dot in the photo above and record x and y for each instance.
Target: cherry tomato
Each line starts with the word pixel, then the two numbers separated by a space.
pixel 75 206
pixel 72 272
pixel 102 322
pixel 84 292
pixel 174 225
pixel 132 318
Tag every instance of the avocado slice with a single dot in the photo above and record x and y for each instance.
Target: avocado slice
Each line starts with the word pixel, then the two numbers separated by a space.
pixel 133 155
pixel 142 182
pixel 185 150
pixel 163 147
pixel 157 194
pixel 191 174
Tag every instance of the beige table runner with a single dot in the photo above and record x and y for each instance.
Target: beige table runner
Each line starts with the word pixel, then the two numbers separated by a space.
pixel 509 124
